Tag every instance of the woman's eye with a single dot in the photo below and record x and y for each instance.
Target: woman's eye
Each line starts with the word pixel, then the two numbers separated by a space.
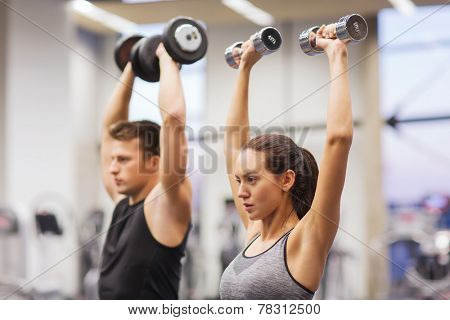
pixel 251 179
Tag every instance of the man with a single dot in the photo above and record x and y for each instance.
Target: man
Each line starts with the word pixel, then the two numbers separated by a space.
pixel 144 172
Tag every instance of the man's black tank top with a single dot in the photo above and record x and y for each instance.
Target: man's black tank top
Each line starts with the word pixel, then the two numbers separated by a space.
pixel 134 264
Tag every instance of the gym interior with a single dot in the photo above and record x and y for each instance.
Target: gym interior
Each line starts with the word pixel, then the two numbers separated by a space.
pixel 57 72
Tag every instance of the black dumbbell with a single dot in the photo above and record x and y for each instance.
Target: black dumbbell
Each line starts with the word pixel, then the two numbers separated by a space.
pixel 266 41
pixel 352 27
pixel 184 39
pixel 123 50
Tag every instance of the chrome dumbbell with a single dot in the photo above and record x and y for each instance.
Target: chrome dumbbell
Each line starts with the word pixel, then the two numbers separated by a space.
pixel 352 27
pixel 266 41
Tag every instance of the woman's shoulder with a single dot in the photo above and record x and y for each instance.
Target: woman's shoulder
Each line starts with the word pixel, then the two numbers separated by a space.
pixel 253 230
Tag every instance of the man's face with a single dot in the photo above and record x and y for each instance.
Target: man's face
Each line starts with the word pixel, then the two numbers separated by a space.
pixel 128 168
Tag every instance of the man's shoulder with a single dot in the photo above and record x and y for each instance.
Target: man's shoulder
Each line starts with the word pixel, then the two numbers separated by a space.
pixel 183 192
pixel 177 206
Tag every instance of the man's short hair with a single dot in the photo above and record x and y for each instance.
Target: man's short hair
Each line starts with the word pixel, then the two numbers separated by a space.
pixel 146 131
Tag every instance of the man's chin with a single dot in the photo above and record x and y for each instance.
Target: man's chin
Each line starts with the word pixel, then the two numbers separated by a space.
pixel 123 191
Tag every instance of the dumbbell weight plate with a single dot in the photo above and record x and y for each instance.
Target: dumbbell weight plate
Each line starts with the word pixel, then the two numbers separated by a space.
pixel 143 59
pixel 185 40
pixel 352 27
pixel 148 60
pixel 267 41
pixel 357 27
pixel 122 52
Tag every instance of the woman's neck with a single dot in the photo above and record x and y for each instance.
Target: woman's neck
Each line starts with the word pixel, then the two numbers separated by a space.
pixel 279 222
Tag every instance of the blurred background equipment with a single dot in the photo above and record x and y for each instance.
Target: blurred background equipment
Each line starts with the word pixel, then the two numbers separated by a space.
pixel 53 252
pixel 419 251
pixel 90 240
pixel 12 253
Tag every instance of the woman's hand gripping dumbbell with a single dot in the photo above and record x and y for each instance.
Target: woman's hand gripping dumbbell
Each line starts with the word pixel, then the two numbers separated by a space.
pixel 265 42
pixel 351 28
pixel 184 39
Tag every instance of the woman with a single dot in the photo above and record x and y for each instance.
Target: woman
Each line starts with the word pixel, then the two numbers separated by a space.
pixel 290 211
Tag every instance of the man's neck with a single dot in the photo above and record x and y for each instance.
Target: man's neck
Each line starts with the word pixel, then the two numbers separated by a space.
pixel 133 199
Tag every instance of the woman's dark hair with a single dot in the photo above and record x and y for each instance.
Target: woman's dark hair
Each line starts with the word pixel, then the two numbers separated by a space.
pixel 282 154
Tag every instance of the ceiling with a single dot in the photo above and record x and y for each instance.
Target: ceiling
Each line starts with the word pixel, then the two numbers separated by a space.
pixel 214 12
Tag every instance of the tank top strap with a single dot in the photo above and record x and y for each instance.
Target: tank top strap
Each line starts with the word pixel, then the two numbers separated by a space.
pixel 284 239
pixel 251 241
pixel 281 241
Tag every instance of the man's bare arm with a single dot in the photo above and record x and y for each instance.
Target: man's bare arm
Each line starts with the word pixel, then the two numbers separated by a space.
pixel 116 110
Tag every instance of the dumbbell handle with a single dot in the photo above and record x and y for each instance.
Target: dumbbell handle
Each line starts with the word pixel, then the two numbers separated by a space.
pixel 266 41
pixel 232 53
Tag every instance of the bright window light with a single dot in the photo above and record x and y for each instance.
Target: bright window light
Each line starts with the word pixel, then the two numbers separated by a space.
pixel 407 7
pixel 103 17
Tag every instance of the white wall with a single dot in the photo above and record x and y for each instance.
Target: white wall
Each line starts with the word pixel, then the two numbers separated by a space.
pixel 83 80
pixel 3 32
pixel 54 82
pixel 51 123
pixel 39 152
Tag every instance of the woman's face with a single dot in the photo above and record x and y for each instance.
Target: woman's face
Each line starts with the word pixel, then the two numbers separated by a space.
pixel 259 190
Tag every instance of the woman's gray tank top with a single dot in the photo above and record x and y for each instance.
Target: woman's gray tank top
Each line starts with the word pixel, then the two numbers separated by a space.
pixel 262 277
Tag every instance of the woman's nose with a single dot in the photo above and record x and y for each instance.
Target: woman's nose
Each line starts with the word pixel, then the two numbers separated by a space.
pixel 243 192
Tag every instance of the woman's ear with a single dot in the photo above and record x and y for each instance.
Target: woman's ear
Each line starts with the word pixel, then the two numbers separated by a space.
pixel 288 180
